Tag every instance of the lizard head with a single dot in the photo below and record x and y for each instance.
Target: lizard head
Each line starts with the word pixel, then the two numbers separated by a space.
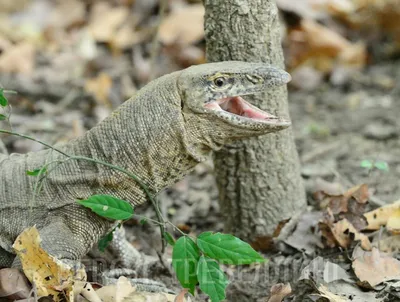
pixel 216 92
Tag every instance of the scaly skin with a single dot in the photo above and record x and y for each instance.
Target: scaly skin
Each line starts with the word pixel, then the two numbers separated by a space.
pixel 159 135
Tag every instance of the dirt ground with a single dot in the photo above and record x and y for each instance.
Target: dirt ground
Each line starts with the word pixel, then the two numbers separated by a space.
pixel 347 134
pixel 335 127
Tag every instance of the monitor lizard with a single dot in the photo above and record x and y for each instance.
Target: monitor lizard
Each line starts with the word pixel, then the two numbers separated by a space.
pixel 160 134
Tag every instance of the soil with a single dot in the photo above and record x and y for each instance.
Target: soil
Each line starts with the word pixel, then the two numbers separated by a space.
pixel 336 128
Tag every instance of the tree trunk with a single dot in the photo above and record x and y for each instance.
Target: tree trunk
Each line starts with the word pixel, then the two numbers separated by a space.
pixel 258 179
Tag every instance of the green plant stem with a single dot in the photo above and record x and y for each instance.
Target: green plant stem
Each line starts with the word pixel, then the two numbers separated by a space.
pixel 33 139
pixel 9 91
pixel 158 223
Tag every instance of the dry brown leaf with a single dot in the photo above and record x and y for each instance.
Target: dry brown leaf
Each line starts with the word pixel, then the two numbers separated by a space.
pixel 8 6
pixel 125 37
pixel 393 223
pixel 315 42
pixel 279 292
pixel 373 268
pixel 68 13
pixel 380 216
pixel 386 242
pixel 315 9
pixel 181 296
pixel 105 20
pixel 184 26
pixel 304 236
pixel 13 284
pixel 50 276
pixel 350 205
pixel 325 226
pixel 345 233
pixel 100 87
pixel 19 58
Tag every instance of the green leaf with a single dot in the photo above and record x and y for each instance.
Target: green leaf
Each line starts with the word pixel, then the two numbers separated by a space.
pixel 227 248
pixel 185 257
pixel 212 279
pixel 143 221
pixel 366 164
pixel 2 117
pixel 108 206
pixel 3 100
pixel 36 172
pixel 105 241
pixel 382 165
pixel 170 239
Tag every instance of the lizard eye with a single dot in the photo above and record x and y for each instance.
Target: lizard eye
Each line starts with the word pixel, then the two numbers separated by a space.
pixel 219 82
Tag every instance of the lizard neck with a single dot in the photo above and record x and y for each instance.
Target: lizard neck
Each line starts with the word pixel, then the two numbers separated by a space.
pixel 145 136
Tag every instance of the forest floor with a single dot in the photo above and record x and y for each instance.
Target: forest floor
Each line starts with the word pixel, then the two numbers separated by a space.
pixel 347 135
pixel 336 130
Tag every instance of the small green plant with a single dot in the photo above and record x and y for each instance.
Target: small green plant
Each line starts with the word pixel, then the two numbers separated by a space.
pixel 195 261
pixel 380 165
pixel 4 103
pixel 318 130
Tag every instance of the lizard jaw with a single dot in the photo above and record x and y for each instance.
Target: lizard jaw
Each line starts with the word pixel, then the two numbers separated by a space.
pixel 236 108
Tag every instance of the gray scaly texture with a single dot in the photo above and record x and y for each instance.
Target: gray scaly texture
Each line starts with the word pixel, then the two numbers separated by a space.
pixel 159 134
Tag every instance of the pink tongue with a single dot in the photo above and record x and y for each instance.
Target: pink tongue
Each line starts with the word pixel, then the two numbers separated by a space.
pixel 238 106
pixel 251 113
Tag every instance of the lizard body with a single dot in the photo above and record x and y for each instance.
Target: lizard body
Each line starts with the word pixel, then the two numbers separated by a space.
pixel 160 134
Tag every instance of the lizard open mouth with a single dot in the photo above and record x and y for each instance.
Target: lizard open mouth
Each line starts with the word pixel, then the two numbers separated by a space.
pixel 237 106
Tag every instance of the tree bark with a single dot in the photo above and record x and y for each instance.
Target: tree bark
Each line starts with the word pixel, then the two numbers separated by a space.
pixel 258 179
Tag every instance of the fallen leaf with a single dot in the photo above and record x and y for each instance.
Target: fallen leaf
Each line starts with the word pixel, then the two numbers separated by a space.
pixel 345 233
pixel 321 47
pixel 373 268
pixel 305 237
pixel 19 58
pixel 181 296
pixel 105 20
pixel 13 284
pixel 100 88
pixel 324 292
pixel 279 292
pixel 393 223
pixel 184 26
pixel 350 205
pixel 379 217
pixel 67 14
pixel 335 279
pixel 341 233
pixel 125 37
pixel 386 242
pixel 50 276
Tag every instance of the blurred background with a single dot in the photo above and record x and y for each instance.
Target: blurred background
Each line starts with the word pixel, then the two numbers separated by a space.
pixel 72 62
